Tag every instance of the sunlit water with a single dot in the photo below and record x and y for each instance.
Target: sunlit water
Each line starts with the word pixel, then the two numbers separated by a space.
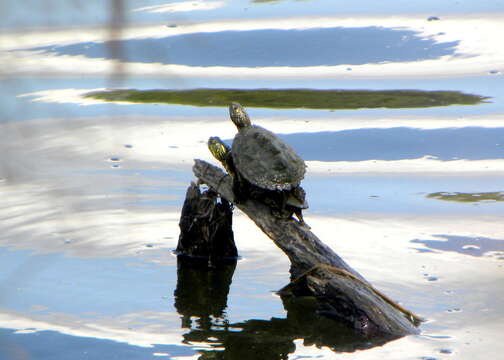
pixel 91 193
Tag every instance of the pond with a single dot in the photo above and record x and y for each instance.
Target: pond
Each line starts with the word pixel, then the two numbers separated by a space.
pixel 411 196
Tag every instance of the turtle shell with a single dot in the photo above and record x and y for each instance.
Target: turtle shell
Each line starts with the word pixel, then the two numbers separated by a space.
pixel 265 160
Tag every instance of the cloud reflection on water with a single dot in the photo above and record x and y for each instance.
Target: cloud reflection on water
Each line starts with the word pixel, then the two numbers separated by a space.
pixel 182 6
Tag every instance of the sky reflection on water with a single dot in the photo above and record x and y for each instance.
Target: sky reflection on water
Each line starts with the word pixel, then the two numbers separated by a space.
pixel 400 143
pixel 472 246
pixel 295 48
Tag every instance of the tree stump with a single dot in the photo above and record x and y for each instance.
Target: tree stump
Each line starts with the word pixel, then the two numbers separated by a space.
pixel 316 270
pixel 206 226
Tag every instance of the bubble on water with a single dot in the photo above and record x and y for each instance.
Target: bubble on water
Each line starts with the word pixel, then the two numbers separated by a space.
pixel 115 161
pixel 67 241
pixel 449 292
pixel 445 351
pixel 494 72
pixel 438 337
pixel 171 25
pixel 160 354
pixel 433 18
pixel 454 310
pixel 149 245
pixel 471 247
pixel 26 331
pixel 430 277
pixel 173 147
pixel 128 146
pixel 427 358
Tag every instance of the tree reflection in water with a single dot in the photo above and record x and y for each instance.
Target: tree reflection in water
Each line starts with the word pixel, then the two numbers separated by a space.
pixel 202 292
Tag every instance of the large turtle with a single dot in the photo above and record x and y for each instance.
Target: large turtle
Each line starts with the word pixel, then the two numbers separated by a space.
pixel 263 158
pixel 263 166
pixel 283 203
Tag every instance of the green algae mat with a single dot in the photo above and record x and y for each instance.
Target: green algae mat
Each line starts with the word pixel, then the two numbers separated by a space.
pixel 293 98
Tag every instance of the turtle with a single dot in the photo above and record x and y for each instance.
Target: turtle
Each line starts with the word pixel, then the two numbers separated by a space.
pixel 264 166
pixel 262 157
pixel 222 152
pixel 283 203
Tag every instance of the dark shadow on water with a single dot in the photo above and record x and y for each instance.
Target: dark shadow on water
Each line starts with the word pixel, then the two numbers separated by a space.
pixel 294 48
pixel 473 246
pixel 201 294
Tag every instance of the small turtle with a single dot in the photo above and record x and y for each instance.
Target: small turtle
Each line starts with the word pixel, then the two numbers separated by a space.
pixel 283 203
pixel 222 152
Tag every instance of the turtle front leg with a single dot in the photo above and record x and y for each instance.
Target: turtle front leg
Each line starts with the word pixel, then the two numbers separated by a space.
pixel 289 209
pixel 299 214
pixel 240 189
pixel 237 191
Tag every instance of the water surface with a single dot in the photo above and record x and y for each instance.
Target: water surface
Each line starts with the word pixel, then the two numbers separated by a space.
pixel 91 193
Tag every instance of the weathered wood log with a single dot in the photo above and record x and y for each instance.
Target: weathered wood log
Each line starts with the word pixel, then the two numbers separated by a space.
pixel 316 270
pixel 206 226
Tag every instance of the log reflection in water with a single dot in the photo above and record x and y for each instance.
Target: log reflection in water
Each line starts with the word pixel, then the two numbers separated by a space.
pixel 201 298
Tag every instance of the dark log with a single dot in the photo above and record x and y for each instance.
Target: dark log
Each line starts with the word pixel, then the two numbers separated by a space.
pixel 316 270
pixel 206 226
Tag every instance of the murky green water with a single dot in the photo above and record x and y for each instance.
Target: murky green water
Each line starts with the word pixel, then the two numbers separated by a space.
pixel 91 192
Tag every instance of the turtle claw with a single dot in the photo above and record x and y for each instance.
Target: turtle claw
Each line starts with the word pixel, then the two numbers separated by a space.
pixel 305 225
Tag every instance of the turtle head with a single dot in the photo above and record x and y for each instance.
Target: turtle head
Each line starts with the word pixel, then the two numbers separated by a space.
pixel 239 116
pixel 218 149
